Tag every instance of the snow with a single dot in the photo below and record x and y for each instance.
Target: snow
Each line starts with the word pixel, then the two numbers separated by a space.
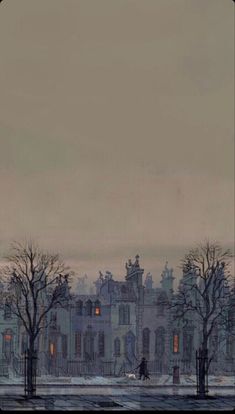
pixel 185 380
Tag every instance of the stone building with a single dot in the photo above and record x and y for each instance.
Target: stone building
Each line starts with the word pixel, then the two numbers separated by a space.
pixel 108 332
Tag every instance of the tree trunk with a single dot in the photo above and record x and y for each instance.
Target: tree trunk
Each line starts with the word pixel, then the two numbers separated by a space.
pixel 31 370
pixel 203 354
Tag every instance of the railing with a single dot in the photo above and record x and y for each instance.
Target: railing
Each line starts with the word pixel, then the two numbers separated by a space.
pixel 4 368
pixel 80 368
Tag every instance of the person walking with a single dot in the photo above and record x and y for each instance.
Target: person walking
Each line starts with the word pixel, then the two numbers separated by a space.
pixel 142 369
pixel 146 373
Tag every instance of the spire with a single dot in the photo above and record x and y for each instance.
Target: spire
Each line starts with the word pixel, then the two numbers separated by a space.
pixel 133 271
pixel 167 278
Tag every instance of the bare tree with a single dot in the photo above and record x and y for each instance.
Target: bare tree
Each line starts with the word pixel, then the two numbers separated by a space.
pixel 204 295
pixel 36 283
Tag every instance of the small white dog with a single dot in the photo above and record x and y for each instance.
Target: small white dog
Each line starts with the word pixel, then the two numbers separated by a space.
pixel 131 376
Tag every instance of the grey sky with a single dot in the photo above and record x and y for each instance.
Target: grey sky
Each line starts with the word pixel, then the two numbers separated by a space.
pixel 117 128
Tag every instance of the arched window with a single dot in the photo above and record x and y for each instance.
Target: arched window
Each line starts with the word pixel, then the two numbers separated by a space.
pixel 97 309
pixel 24 342
pixel 88 344
pixel 127 314
pixel 117 347
pixel 78 344
pixel 121 314
pixel 160 334
pixel 123 289
pixel 187 345
pixel 161 305
pixel 101 344
pixel 129 346
pixel 64 346
pixel 214 345
pixel 52 349
pixel 124 314
pixel 7 344
pixel 89 308
pixel 146 341
pixel 79 306
pixel 7 310
pixel 176 346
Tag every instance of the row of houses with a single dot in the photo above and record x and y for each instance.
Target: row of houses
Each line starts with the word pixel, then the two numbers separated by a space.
pixel 107 333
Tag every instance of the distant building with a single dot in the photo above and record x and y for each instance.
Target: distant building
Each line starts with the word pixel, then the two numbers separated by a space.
pixel 108 331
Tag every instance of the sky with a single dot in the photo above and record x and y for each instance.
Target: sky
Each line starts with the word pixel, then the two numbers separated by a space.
pixel 117 129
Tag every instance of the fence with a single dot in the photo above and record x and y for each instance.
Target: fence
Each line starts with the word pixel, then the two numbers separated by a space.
pixel 3 368
pixel 61 367
pixel 81 368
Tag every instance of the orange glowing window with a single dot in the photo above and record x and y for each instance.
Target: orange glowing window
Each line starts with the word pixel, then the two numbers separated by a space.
pixel 52 348
pixel 7 337
pixel 176 343
pixel 97 310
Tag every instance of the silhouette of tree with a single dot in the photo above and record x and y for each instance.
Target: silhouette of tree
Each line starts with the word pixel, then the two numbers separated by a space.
pixel 204 294
pixel 36 282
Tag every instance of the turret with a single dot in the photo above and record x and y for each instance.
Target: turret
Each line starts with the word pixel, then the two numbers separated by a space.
pixel 99 282
pixel 134 272
pixel 167 279
pixel 148 281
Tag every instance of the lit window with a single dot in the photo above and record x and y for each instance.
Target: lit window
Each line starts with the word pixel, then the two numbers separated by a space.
pixel 175 343
pixel 7 337
pixel 52 348
pixel 97 308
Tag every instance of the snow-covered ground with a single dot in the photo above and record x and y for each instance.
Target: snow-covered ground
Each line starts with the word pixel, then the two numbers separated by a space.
pixel 162 380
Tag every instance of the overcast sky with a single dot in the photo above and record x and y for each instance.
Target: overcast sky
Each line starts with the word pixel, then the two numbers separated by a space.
pixel 117 128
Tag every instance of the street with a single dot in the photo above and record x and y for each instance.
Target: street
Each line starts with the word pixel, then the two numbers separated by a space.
pixel 115 398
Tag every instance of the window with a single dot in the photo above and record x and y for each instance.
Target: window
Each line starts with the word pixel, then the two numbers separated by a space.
pixel 78 343
pixel 146 341
pixel 187 345
pixel 127 314
pixel 7 311
pixel 117 347
pixel 161 305
pixel 89 308
pixel 88 344
pixel 24 343
pixel 124 315
pixel 101 344
pixel 160 341
pixel 52 349
pixel 213 345
pixel 64 346
pixel 7 343
pixel 79 306
pixel 175 343
pixel 97 310
pixel 123 289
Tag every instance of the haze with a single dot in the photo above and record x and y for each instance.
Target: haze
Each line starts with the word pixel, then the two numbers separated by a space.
pixel 117 129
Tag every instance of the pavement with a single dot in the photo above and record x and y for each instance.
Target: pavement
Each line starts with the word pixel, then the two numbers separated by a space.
pixel 114 399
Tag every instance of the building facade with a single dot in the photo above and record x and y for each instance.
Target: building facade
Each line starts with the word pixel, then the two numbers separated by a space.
pixel 108 332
